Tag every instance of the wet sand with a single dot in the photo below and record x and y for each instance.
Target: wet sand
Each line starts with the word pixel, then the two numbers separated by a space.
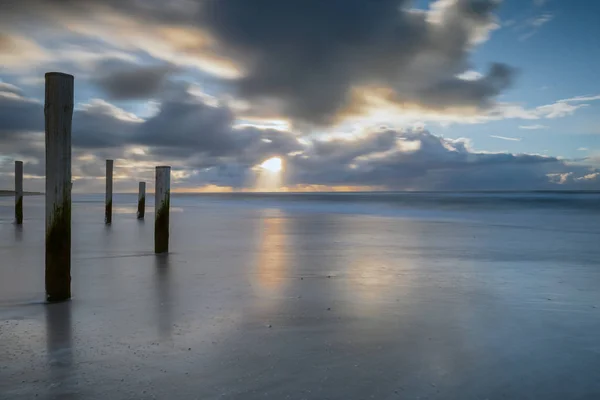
pixel 258 302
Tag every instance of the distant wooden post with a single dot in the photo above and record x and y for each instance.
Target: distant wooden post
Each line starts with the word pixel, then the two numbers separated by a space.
pixel 162 200
pixel 18 192
pixel 58 112
pixel 141 200
pixel 109 192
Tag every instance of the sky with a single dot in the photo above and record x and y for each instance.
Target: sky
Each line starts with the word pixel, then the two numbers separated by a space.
pixel 348 94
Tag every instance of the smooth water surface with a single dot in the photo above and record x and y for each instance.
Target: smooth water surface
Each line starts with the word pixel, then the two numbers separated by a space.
pixel 310 296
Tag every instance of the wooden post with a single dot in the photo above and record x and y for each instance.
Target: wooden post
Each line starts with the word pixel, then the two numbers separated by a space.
pixel 162 200
pixel 141 200
pixel 109 191
pixel 18 192
pixel 58 112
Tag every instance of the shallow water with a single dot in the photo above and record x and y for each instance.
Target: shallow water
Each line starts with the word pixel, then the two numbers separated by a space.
pixel 337 296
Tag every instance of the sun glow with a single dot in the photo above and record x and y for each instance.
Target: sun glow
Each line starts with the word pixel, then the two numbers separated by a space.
pixel 269 175
pixel 273 164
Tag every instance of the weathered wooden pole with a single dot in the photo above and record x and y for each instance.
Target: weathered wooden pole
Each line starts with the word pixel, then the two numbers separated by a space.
pixel 18 192
pixel 58 112
pixel 109 192
pixel 141 200
pixel 162 200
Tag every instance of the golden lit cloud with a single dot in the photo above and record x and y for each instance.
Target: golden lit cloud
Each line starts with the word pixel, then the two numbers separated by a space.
pixel 371 105
pixel 19 52
pixel 179 45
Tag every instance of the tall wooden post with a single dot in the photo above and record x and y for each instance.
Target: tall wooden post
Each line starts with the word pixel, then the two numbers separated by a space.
pixel 109 192
pixel 141 200
pixel 162 200
pixel 18 192
pixel 58 111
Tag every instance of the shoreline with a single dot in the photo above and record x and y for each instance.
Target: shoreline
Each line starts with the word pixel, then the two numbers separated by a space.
pixel 6 193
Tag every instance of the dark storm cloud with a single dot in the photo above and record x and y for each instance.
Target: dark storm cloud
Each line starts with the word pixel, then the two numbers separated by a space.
pixel 308 55
pixel 95 125
pixel 18 114
pixel 341 152
pixel 20 136
pixel 186 126
pixel 457 92
pixel 126 81
pixel 100 125
pixel 184 129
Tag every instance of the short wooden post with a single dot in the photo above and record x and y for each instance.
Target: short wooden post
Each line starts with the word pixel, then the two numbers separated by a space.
pixel 162 200
pixel 141 200
pixel 58 111
pixel 18 192
pixel 109 192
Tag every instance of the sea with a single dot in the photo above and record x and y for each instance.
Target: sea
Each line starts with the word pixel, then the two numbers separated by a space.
pixel 385 295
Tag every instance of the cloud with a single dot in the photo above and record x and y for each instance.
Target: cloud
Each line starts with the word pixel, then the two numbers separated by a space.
pixel 506 138
pixel 378 108
pixel 100 124
pixel 581 98
pixel 352 44
pixel 558 110
pixel 476 93
pixel 132 81
pixel 541 20
pixel 187 127
pixel 206 146
pixel 589 177
pixel 8 89
pixel 435 163
pixel 184 130
pixel 17 51
pixel 470 75
pixel 534 25
pixel 582 149
pixel 17 113
pixel 412 60
pixel 304 57
pixel 20 121
pixel 533 127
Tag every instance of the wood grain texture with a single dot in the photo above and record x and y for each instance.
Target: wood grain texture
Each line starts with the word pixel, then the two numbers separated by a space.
pixel 109 192
pixel 141 210
pixel 162 200
pixel 19 192
pixel 58 112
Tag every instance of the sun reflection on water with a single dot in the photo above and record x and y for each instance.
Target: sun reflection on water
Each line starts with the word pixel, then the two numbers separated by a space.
pixel 272 253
